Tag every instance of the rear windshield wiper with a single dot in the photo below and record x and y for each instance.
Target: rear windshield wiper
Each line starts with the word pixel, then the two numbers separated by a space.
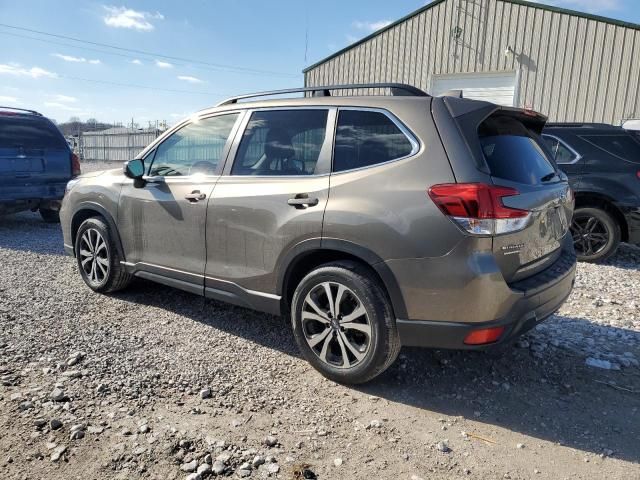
pixel 548 177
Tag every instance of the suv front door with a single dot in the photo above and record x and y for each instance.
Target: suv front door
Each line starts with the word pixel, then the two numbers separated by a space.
pixel 270 199
pixel 162 224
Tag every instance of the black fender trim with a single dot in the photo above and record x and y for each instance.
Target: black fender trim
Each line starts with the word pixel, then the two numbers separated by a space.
pixel 109 219
pixel 364 254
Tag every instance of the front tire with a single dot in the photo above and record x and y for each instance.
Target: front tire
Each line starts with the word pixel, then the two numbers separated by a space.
pixel 98 258
pixel 343 323
pixel 596 234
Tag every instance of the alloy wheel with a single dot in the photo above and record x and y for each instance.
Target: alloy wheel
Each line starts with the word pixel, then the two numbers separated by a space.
pixel 590 235
pixel 336 325
pixel 94 256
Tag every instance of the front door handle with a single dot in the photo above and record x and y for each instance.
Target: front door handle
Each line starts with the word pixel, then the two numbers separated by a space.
pixel 302 200
pixel 195 196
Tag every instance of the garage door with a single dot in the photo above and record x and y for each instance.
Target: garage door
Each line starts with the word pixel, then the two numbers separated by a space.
pixel 497 88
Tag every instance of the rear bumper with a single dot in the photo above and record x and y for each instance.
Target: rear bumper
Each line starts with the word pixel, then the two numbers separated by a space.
pixel 20 198
pixel 540 296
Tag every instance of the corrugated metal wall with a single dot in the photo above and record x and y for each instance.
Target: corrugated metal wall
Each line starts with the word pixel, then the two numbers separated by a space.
pixel 568 67
pixel 115 147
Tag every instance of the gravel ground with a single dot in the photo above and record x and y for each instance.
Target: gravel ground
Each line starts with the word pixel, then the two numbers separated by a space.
pixel 157 383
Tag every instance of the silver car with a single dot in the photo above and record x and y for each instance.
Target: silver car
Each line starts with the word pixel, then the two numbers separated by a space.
pixel 372 221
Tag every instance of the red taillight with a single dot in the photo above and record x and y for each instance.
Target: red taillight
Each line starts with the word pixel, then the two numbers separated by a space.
pixel 75 165
pixel 478 207
pixel 483 336
pixel 638 174
pixel 474 200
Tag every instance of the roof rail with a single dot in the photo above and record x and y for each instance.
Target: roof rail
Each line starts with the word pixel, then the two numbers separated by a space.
pixel 397 89
pixel 580 125
pixel 33 112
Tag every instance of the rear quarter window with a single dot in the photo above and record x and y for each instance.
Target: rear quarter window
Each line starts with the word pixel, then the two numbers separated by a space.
pixel 625 146
pixel 29 133
pixel 513 152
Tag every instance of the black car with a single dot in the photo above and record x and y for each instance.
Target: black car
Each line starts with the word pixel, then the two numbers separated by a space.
pixel 36 163
pixel 603 165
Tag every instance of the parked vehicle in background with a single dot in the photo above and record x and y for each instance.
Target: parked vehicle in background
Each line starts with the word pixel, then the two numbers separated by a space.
pixel 603 165
pixel 374 221
pixel 35 163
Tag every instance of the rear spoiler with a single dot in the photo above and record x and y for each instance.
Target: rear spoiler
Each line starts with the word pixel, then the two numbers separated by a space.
pixel 463 115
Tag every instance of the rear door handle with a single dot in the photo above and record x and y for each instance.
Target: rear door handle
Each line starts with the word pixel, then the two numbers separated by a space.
pixel 195 196
pixel 302 200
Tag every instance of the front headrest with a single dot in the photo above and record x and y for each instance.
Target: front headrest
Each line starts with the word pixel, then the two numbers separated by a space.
pixel 278 144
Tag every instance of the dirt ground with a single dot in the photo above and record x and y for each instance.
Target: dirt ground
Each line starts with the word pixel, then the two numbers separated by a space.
pixel 130 371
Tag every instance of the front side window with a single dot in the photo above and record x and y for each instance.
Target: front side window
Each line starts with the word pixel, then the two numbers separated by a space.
pixel 281 142
pixel 622 146
pixel 195 148
pixel 561 154
pixel 513 153
pixel 365 138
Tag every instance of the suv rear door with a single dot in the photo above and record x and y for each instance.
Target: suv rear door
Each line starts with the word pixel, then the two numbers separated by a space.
pixel 270 199
pixel 33 153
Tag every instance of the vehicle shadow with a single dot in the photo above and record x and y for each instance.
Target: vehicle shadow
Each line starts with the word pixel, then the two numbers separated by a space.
pixel 24 232
pixel 627 257
pixel 547 392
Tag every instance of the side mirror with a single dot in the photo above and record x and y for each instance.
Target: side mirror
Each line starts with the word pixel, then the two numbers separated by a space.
pixel 135 169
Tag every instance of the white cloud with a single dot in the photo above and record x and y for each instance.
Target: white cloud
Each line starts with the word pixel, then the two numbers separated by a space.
pixel 123 17
pixel 18 71
pixel 162 64
pixel 8 99
pixel 136 62
pixel 70 58
pixel 64 98
pixel 371 26
pixel 62 106
pixel 189 79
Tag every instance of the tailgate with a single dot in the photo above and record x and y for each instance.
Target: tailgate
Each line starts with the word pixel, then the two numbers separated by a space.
pixel 516 157
pixel 32 152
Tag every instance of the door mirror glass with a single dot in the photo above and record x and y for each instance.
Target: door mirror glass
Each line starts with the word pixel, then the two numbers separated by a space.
pixel 134 168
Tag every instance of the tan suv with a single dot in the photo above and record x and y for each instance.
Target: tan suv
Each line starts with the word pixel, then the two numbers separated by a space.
pixel 374 221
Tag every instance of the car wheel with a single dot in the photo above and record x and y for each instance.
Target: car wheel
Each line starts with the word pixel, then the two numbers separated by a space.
pixel 596 234
pixel 343 323
pixel 50 216
pixel 98 258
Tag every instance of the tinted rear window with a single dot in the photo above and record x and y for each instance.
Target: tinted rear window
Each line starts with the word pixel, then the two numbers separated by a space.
pixel 512 151
pixel 622 146
pixel 365 138
pixel 29 133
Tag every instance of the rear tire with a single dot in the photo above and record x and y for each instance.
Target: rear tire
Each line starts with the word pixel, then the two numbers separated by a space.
pixel 596 234
pixel 49 216
pixel 349 334
pixel 98 257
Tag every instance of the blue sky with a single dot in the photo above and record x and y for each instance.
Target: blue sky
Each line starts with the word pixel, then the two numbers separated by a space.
pixel 263 42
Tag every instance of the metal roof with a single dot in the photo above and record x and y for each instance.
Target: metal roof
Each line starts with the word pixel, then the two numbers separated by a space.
pixel 541 6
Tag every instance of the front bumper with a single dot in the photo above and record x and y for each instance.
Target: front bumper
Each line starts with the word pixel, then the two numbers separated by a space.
pixel 540 296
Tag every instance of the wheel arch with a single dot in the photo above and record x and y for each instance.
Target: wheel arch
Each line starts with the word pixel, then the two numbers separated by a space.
pixel 311 254
pixel 88 210
pixel 599 200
